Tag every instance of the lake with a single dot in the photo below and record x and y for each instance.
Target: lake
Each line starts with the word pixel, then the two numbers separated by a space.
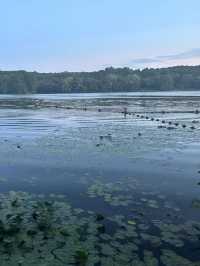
pixel 125 187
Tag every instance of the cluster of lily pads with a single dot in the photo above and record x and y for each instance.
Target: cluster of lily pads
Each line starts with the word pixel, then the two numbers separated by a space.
pixel 127 193
pixel 110 192
pixel 43 232
pixel 160 236
pixel 169 235
pixel 48 232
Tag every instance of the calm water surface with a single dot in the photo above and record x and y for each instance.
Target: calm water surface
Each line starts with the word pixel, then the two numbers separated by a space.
pixel 64 145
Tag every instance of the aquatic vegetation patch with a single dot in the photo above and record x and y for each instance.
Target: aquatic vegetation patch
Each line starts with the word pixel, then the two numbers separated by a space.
pixel 169 258
pixel 196 203
pixel 127 192
pixel 110 193
pixel 40 230
pixel 3 179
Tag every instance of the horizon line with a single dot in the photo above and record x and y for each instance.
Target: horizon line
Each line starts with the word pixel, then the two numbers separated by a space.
pixel 103 69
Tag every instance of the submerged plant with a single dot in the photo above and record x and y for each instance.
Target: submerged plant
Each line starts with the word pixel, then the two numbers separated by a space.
pixel 81 257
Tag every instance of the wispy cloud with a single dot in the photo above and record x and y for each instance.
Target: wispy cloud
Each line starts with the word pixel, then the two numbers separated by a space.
pixel 145 61
pixel 179 58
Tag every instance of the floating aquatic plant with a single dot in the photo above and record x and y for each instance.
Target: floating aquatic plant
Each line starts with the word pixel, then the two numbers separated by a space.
pixel 196 203
pixel 44 231
pixel 81 257
pixel 41 232
pixel 170 258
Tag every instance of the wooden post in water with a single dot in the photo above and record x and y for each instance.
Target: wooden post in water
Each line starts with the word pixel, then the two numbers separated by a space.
pixel 125 112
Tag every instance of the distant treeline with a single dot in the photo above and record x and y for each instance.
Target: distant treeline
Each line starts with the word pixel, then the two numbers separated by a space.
pixel 108 80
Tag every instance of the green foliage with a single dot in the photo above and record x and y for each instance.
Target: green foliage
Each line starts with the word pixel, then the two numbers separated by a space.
pixel 108 80
pixel 81 257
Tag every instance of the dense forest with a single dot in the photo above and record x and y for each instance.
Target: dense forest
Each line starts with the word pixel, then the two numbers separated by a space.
pixel 108 80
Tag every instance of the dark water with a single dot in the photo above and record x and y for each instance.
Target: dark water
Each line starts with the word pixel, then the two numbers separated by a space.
pixel 103 162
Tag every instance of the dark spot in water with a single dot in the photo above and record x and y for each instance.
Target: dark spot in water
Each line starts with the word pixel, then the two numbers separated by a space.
pixel 99 217
pixel 101 229
pixel 161 126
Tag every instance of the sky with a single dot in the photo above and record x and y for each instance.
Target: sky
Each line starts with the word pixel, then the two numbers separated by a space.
pixel 88 35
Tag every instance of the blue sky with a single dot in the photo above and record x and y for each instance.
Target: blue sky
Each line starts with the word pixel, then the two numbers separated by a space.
pixel 76 35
